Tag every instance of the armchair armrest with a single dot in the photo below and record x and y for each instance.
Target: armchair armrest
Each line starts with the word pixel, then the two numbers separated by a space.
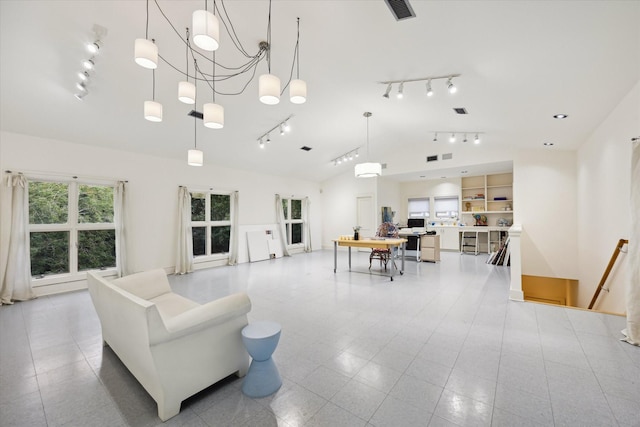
pixel 202 317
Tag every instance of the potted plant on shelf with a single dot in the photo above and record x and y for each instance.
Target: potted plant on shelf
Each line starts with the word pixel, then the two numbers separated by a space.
pixel 356 232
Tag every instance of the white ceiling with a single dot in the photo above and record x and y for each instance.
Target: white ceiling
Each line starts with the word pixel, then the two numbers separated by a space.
pixel 520 62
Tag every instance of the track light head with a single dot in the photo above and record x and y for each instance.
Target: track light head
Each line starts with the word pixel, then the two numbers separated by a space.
pixel 429 90
pixel 80 95
pixel 89 64
pixel 286 126
pixel 476 140
pixel 357 154
pixel 94 47
pixel 268 138
pixel 452 138
pixel 81 86
pixel 465 138
pixel 451 87
pixel 281 129
pixel 83 75
pixel 386 93
pixel 435 137
pixel 401 90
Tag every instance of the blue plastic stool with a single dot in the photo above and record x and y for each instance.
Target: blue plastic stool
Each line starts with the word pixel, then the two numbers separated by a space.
pixel 261 339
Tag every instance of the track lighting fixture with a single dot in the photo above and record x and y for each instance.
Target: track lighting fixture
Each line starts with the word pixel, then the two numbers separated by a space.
pixel 346 157
pixel 449 83
pixel 89 64
pixel 283 127
pixel 453 136
pixel 386 92
pixel 451 87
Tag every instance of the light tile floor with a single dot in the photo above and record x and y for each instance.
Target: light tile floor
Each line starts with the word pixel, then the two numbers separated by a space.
pixel 440 346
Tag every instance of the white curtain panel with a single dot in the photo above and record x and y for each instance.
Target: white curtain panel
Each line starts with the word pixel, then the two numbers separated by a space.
pixel 306 209
pixel 120 219
pixel 184 249
pixel 15 262
pixel 282 228
pixel 233 243
pixel 633 287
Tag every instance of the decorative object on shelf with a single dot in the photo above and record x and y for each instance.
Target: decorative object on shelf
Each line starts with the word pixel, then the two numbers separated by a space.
pixel 356 232
pixel 503 222
pixel 369 169
pixel 451 88
pixel 206 36
pixel 282 125
pixel 481 220
pixel 467 207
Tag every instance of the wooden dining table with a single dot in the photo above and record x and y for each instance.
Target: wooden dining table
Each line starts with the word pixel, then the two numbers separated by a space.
pixel 382 243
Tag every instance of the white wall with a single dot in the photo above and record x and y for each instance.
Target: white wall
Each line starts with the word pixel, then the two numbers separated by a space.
pixel 545 203
pixel 604 217
pixel 153 190
pixel 389 195
pixel 339 210
pixel 428 188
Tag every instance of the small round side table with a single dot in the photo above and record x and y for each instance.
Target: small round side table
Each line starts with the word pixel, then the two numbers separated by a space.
pixel 261 339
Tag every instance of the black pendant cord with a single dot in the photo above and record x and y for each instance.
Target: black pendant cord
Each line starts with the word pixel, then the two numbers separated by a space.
pixel 153 89
pixel 269 40
pixel 195 128
pixel 146 31
pixel 298 51
pixel 187 53
pixel 213 77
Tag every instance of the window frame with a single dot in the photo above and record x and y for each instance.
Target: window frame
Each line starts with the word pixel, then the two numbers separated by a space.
pixel 424 214
pixel 208 223
pixel 72 226
pixel 446 214
pixel 288 222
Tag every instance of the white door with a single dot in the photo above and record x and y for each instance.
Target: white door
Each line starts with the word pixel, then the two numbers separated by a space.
pixel 365 218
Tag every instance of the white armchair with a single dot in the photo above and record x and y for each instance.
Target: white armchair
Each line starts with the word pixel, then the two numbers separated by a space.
pixel 172 345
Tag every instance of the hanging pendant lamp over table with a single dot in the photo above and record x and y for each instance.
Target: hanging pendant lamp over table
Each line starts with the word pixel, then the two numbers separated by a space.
pixel 368 169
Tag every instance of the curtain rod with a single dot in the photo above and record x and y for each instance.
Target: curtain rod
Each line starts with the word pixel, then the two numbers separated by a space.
pixel 63 175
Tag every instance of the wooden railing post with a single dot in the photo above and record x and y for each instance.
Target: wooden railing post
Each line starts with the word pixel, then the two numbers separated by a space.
pixel 612 261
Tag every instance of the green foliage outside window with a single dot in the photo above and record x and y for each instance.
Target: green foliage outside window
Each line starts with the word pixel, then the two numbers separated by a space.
pixel 220 239
pixel 198 207
pixel 199 236
pixel 95 204
pixel 285 208
pixel 220 207
pixel 48 202
pixel 296 209
pixel 49 252
pixel 296 233
pixel 96 249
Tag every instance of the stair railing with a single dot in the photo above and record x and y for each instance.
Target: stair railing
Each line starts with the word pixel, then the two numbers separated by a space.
pixel 612 261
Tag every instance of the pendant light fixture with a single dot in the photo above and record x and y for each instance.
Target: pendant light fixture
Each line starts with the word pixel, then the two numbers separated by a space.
pixel 269 84
pixel 297 87
pixel 195 157
pixel 153 109
pixel 186 89
pixel 206 29
pixel 145 50
pixel 213 114
pixel 369 169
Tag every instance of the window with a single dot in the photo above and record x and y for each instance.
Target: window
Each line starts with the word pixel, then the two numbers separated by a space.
pixel 446 207
pixel 293 220
pixel 419 208
pixel 211 223
pixel 71 228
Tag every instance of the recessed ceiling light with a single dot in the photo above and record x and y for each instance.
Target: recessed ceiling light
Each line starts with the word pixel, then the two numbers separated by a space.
pixel 560 116
pixel 547 144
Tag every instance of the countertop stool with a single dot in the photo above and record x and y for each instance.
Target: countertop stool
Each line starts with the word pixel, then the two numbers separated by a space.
pixel 261 339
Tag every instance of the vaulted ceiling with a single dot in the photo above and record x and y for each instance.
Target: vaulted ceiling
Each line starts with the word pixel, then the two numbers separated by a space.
pixel 520 63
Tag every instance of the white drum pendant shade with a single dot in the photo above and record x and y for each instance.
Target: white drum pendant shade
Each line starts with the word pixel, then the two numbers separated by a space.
pixel 298 91
pixel 146 53
pixel 368 170
pixel 187 92
pixel 153 111
pixel 195 158
pixel 269 89
pixel 206 30
pixel 213 116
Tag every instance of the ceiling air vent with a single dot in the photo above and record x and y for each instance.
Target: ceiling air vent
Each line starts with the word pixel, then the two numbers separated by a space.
pixel 460 110
pixel 432 158
pixel 447 156
pixel 196 114
pixel 305 148
pixel 401 9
